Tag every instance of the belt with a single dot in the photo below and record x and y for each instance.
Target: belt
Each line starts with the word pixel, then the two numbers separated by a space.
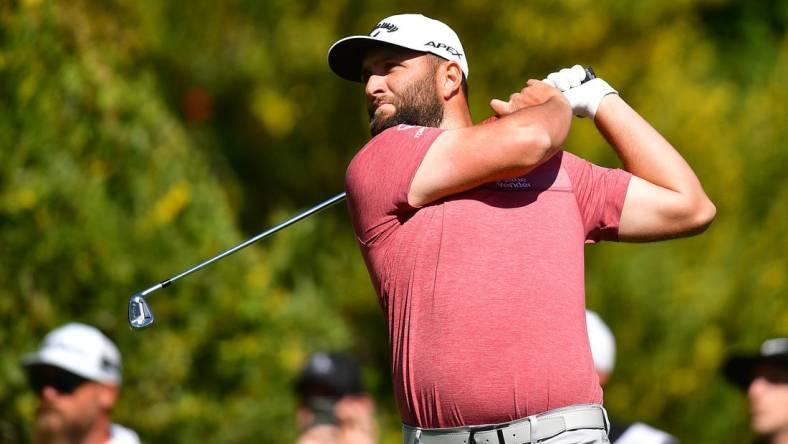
pixel 522 431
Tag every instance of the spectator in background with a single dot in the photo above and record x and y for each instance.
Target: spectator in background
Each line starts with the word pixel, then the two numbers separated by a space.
pixel 603 350
pixel 76 374
pixel 333 407
pixel 765 378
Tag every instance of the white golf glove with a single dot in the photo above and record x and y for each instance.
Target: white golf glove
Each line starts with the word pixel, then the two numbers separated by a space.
pixel 584 97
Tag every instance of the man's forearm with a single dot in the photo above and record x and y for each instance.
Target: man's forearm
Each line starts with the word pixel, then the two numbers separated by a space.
pixel 557 120
pixel 551 113
pixel 552 119
pixel 642 150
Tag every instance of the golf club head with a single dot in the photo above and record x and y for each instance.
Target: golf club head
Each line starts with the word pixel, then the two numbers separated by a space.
pixel 140 314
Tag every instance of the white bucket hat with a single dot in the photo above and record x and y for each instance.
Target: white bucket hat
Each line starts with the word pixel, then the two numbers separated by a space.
pixel 411 31
pixel 79 349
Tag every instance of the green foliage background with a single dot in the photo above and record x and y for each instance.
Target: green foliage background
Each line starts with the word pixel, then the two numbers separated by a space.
pixel 139 137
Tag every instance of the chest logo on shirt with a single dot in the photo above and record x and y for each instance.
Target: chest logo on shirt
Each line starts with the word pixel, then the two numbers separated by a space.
pixel 517 183
pixel 547 177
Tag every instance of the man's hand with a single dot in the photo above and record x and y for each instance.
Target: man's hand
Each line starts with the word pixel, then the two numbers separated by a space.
pixel 583 97
pixel 534 93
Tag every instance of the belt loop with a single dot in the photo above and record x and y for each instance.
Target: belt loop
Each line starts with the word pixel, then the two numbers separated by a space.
pixel 418 436
pixel 533 420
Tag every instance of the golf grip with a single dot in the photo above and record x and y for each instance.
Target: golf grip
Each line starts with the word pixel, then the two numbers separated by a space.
pixel 589 74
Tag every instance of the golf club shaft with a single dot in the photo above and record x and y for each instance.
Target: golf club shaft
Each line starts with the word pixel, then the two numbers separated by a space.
pixel 338 198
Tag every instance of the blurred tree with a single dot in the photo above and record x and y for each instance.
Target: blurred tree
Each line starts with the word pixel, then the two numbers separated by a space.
pixel 102 191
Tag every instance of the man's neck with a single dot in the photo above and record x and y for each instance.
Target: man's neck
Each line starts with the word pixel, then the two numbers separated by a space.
pixel 99 433
pixel 456 115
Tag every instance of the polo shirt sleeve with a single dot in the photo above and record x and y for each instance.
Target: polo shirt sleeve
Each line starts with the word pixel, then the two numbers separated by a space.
pixel 378 180
pixel 600 193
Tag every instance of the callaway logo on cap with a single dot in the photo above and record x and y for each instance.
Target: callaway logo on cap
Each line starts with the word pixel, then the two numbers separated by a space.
pixel 411 31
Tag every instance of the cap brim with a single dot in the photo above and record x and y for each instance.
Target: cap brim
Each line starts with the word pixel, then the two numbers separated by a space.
pixel 64 361
pixel 740 370
pixel 346 56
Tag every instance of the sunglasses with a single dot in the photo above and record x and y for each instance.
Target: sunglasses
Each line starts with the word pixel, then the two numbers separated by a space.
pixel 772 372
pixel 64 382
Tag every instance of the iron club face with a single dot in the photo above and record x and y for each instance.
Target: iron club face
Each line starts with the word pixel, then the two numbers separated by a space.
pixel 140 314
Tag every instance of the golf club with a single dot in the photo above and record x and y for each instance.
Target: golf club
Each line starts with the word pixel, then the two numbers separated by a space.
pixel 140 314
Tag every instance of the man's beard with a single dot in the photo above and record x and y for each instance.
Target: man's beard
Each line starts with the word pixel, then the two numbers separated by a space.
pixel 418 105
pixel 52 427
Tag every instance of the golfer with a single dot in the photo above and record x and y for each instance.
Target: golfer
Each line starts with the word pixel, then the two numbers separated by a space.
pixel 473 234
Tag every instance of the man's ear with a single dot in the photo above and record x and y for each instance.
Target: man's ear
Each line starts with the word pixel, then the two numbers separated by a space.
pixel 450 79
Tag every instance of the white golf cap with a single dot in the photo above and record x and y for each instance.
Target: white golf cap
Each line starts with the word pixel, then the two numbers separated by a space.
pixel 411 31
pixel 79 349
pixel 603 343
